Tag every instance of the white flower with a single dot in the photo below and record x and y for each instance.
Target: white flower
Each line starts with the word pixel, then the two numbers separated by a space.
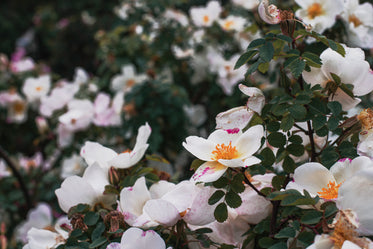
pixel 17 106
pixel 235 118
pixel 166 203
pixel 106 114
pixel 22 65
pixel 247 4
pixel 269 13
pixel 80 76
pixel 318 180
pixel 40 238
pixel 135 238
pixel 122 10
pixel 94 152
pixel 31 162
pixel 256 100
pixel 320 14
pixel 71 166
pixel 178 16
pixel 180 53
pixel 58 98
pixel 355 194
pixel 359 21
pixel 205 16
pixel 39 217
pixel 3 169
pixel 351 69
pixel 87 189
pixel 223 149
pixel 236 23
pixel 79 116
pixel 35 88
pixel 125 81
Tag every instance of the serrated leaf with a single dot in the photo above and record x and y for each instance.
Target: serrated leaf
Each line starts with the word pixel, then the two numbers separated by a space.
pixel 312 59
pixel 97 242
pixel 302 99
pixel 333 123
pixel 215 197
pixel 100 228
pixel 297 67
pixel 287 123
pixel 311 217
pixel 91 218
pixel 295 149
pixel 244 58
pixel 266 52
pixel 252 69
pixel 335 107
pixel 306 238
pixel 268 157
pixel 318 121
pixel 277 139
pixel 221 212
pixel 284 38
pixel 337 47
pixel 287 232
pixel 256 43
pixel 298 112
pixel 233 199
pixel 280 245
pixel 266 242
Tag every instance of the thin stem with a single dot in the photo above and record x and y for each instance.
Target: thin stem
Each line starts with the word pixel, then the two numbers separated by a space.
pixel 19 178
pixel 275 209
pixel 310 135
pixel 247 181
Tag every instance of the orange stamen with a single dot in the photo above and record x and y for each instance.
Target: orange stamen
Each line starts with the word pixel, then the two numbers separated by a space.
pixel 228 24
pixel 356 21
pixel 331 192
pixel 223 151
pixel 39 88
pixel 206 19
pixel 315 10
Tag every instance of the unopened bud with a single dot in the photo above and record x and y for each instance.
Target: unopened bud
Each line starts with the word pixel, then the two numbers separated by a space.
pixel 114 177
pixel 41 124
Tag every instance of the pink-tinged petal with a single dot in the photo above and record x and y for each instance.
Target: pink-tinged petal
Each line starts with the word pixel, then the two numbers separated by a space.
pixel 96 177
pixel 356 194
pixel 200 212
pixel 250 141
pixel 133 199
pixel 162 212
pixel 322 242
pixel 114 245
pixel 232 163
pixel 254 208
pixel 95 152
pixel 209 172
pixel 237 117
pixel 102 102
pixel 73 191
pixel 224 136
pixel 312 177
pixel 256 98
pixel 268 13
pixel 199 147
pixel 159 189
pixel 251 161
pixel 135 238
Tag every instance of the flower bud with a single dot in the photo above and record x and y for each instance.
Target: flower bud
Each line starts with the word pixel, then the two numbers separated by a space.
pixel 269 13
pixel 114 177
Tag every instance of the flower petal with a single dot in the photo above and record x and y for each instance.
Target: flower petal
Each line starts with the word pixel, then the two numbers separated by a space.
pixel 250 141
pixel 209 172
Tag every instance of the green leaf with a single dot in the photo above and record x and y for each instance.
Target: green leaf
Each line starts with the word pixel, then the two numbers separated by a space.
pixel 306 238
pixel 100 228
pixel 323 131
pixel 287 123
pixel 252 69
pixel 221 212
pixel 333 123
pixel 97 242
pixel 287 232
pixel 284 38
pixel 91 218
pixel 335 107
pixel 215 197
pixel 347 90
pixel 256 43
pixel 278 181
pixel 244 58
pixel 295 139
pixel 266 52
pixel 237 183
pixel 329 156
pixel 330 209
pixel 318 121
pixel 280 245
pixel 298 112
pixel 273 126
pixel 277 139
pixel 263 67
pixel 233 199
pixel 297 67
pixel 204 230
pixel 295 149
pixel 336 47
pixel 266 242
pixel 302 99
pixel 312 59
pixel 268 157
pixel 288 165
pixel 222 182
pixel 311 217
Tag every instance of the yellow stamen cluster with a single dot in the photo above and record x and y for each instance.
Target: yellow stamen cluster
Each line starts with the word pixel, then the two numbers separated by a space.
pixel 315 10
pixel 206 19
pixel 356 21
pixel 228 24
pixel 366 119
pixel 223 151
pixel 331 192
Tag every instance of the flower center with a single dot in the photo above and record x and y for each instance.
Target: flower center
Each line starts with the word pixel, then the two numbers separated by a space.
pixel 223 151
pixel 206 19
pixel 126 151
pixel 356 21
pixel 366 119
pixel 315 10
pixel 19 107
pixel 228 24
pixel 38 88
pixel 130 82
pixel 331 192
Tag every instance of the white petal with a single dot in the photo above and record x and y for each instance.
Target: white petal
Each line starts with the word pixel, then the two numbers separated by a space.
pixel 237 117
pixel 135 238
pixel 162 212
pixel 182 195
pixel 343 170
pixel 96 177
pixel 199 147
pixel 159 189
pixel 249 142
pixel 95 152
